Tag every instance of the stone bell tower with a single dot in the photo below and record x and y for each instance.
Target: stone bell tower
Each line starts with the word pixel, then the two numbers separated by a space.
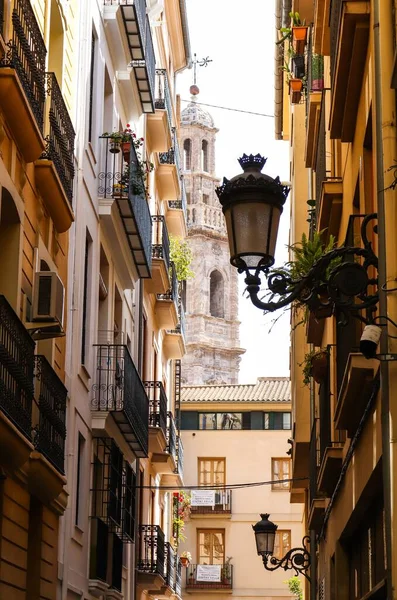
pixel 213 343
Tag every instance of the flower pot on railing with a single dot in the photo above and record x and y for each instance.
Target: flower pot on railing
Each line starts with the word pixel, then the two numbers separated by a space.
pixel 319 366
pixel 299 35
pixel 184 561
pixel 295 90
pixel 317 85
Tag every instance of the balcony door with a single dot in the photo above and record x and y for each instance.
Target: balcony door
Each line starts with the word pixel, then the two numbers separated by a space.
pixel 211 546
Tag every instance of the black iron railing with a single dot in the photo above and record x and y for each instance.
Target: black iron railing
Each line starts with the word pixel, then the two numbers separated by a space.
pixel 150 61
pixel 27 55
pixel 320 167
pixel 123 181
pixel 171 435
pixel 314 460
pixel 59 135
pixel 181 327
pixel 193 579
pixel 161 241
pixel 172 157
pixel 51 394
pixel 16 369
pixel 119 388
pixel 180 204
pixel 325 413
pixel 169 571
pixel 163 97
pixel 177 393
pixel 223 505
pixel 157 404
pixel 151 557
pixel 179 455
pixel 335 14
pixel 172 293
pixel 178 576
pixel 1 17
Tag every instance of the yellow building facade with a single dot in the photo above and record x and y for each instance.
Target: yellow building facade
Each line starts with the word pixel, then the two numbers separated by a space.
pixel 36 212
pixel 342 138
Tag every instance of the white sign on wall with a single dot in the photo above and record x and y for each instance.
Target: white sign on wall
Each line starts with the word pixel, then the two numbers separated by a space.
pixel 208 573
pixel 203 498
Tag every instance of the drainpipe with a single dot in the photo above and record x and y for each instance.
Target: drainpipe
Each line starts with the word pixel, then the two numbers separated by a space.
pixel 385 152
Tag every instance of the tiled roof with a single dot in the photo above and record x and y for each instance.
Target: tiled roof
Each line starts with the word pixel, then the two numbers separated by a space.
pixel 266 389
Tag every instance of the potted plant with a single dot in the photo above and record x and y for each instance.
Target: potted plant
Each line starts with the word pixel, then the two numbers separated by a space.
pixel 121 140
pixel 299 33
pixel 295 89
pixel 315 364
pixel 317 72
pixel 227 571
pixel 192 576
pixel 185 558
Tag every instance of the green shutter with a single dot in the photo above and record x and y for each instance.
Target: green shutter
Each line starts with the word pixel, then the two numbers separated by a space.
pixel 189 419
pixel 257 420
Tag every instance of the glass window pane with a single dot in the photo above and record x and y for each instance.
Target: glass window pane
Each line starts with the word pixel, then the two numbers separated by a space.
pixel 229 421
pixel 287 420
pixel 207 421
pixel 267 421
pixel 278 420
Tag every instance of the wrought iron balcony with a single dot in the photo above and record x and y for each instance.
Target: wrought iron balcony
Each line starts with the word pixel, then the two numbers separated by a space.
pixel 163 97
pixel 161 244
pixel 157 405
pixel 119 390
pixel 180 204
pixel 172 157
pixel 179 455
pixel 138 37
pixel 170 566
pixel 27 55
pixel 16 369
pixel 123 182
pixel 172 293
pixel 171 435
pixel 50 432
pixel 193 579
pixel 151 558
pixel 178 576
pixel 59 135
pixel 222 506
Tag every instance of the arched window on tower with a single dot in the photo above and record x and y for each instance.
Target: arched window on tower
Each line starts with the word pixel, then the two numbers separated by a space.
pixel 204 156
pixel 187 155
pixel 217 295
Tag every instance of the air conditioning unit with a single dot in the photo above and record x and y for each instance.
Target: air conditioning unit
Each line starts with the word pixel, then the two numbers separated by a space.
pixel 48 298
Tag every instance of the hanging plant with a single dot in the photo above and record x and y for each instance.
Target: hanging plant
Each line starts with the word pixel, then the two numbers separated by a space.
pixel 315 364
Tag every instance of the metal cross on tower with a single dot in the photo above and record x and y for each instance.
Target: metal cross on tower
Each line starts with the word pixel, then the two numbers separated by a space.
pixel 201 63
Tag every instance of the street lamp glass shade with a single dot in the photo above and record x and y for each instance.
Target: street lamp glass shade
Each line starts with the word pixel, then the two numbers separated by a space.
pixel 252 232
pixel 252 203
pixel 265 533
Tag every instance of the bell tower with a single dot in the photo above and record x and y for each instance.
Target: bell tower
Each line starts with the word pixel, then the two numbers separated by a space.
pixel 213 342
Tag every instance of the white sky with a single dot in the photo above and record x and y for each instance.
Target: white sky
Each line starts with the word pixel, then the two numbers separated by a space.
pixel 239 38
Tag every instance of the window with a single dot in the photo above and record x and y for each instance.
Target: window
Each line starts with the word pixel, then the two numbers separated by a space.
pixel 187 155
pixel 80 470
pixel 211 546
pixel 281 470
pixel 204 156
pixel 217 299
pixel 206 199
pixel 282 543
pixel 220 421
pixel 211 471
pixel 277 420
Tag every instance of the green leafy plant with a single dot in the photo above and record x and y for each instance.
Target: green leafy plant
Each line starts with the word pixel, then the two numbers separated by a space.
pixel 181 511
pixel 181 255
pixel 307 364
pixel 295 587
pixel 286 32
pixel 127 135
pixel 227 570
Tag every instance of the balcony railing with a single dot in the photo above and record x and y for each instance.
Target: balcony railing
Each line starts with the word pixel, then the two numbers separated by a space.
pixel 1 17
pixel 172 157
pixel 123 182
pixel 163 97
pixel 50 433
pixel 119 390
pixel 209 217
pixel 335 14
pixel 223 505
pixel 172 293
pixel 151 557
pixel 157 405
pixel 59 135
pixel 179 455
pixel 178 577
pixel 161 241
pixel 225 578
pixel 171 435
pixel 180 204
pixel 16 369
pixel 27 55
pixel 314 464
pixel 170 564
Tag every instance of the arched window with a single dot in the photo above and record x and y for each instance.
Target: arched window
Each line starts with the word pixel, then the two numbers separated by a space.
pixel 204 156
pixel 217 296
pixel 187 155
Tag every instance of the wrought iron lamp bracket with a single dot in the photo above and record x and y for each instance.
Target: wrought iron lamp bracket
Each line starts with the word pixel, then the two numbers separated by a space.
pixel 297 559
pixel 336 280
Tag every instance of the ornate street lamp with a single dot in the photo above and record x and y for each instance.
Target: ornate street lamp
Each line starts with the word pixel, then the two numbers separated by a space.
pixel 297 559
pixel 252 203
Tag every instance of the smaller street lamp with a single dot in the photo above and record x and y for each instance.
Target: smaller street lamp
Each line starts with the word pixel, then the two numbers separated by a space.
pixel 297 559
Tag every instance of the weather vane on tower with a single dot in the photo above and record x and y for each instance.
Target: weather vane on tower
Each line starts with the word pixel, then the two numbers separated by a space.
pixel 194 90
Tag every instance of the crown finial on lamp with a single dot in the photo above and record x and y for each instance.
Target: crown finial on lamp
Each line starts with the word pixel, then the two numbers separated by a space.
pixel 252 161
